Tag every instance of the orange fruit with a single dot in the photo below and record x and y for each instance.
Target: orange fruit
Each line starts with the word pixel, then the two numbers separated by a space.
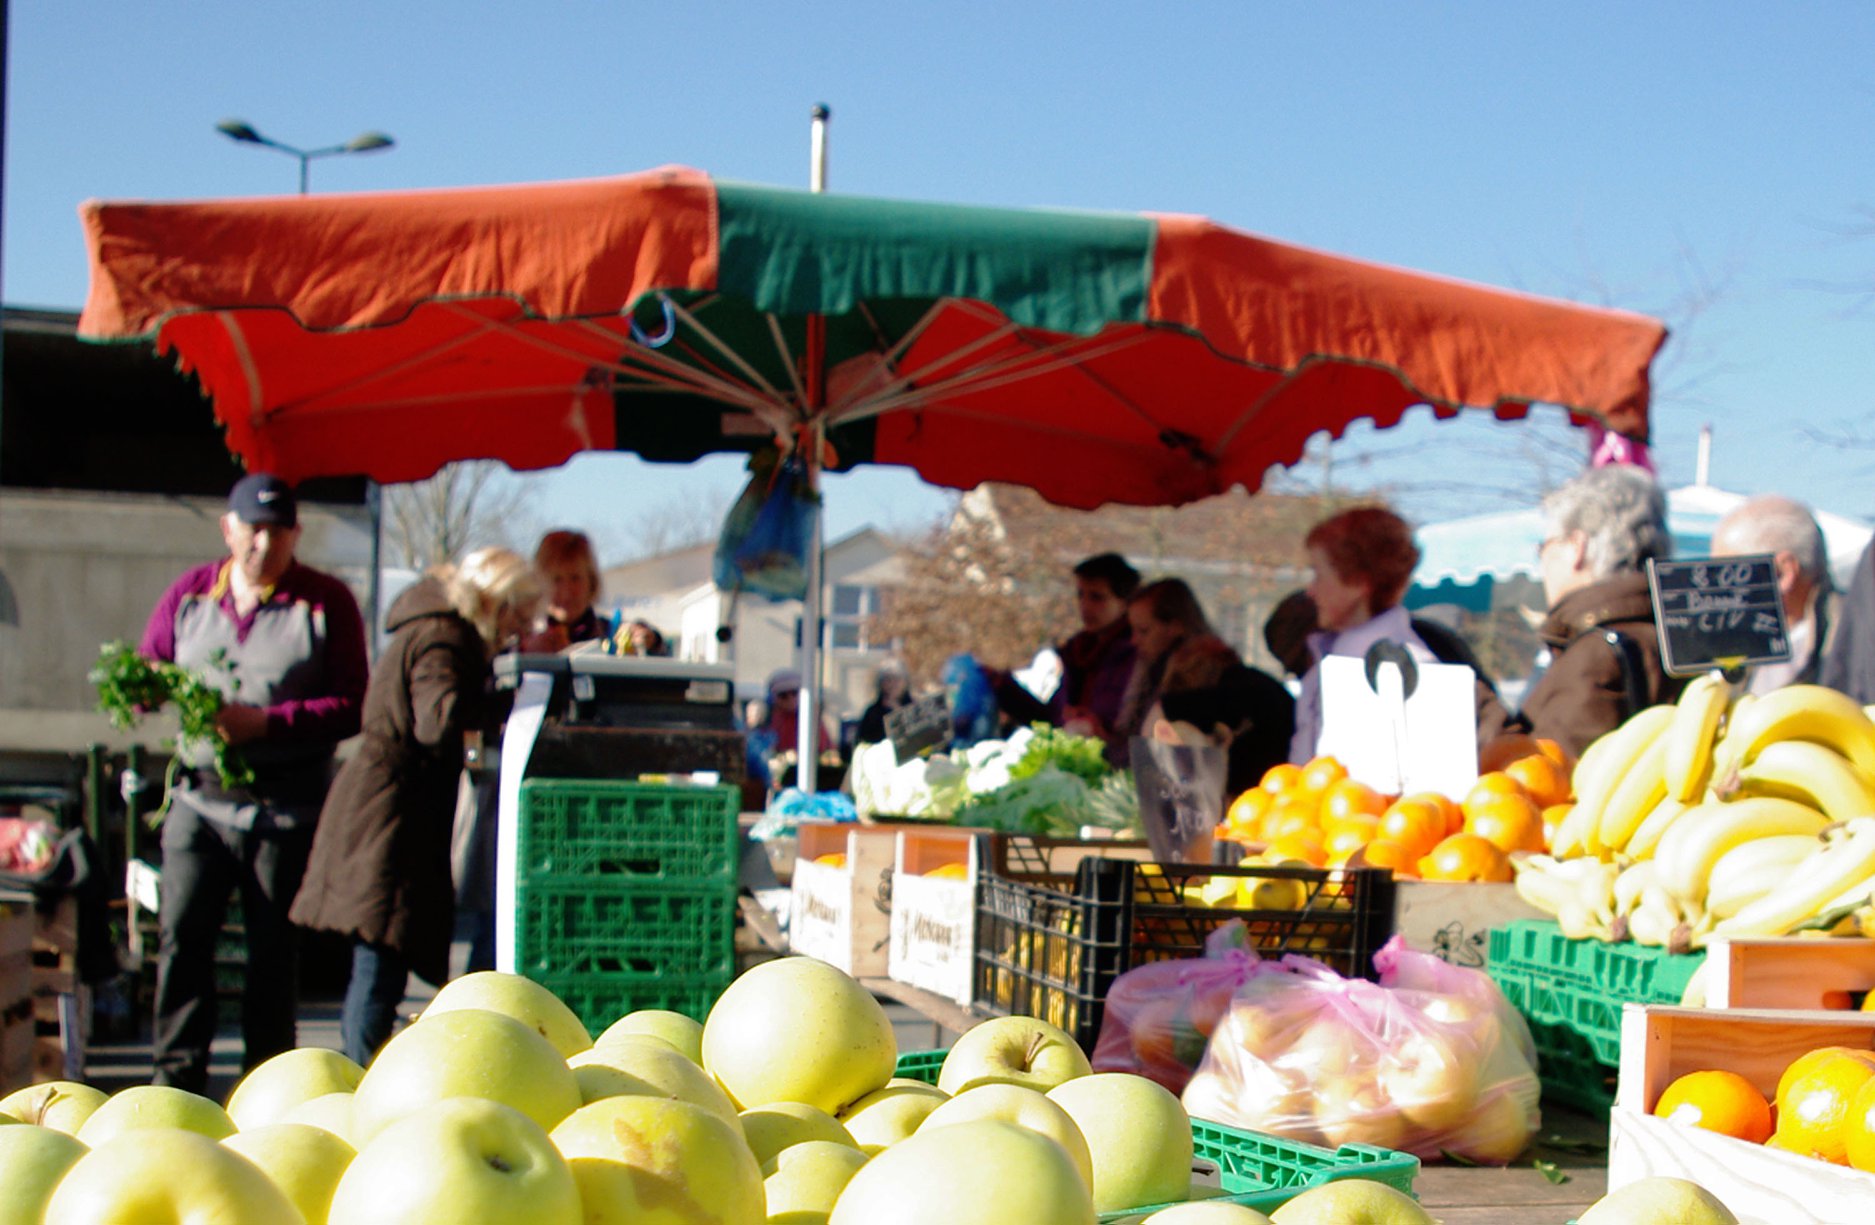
pixel 1382 853
pixel 1321 773
pixel 1466 857
pixel 1287 814
pixel 1543 780
pixel 1280 778
pixel 1858 1137
pixel 1415 822
pixel 1508 822
pixel 1301 846
pixel 1558 754
pixel 1347 797
pixel 1492 784
pixel 1552 817
pixel 1805 1062
pixel 1368 825
pixel 1500 751
pixel 1813 1107
pixel 1719 1101
pixel 1247 809
pixel 1343 840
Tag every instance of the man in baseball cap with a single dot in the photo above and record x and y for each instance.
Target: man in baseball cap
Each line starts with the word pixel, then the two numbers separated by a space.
pixel 285 645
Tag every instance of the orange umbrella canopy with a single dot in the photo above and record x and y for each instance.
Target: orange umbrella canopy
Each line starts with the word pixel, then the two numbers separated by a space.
pixel 1095 358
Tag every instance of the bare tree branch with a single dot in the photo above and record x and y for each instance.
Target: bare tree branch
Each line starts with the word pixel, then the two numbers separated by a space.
pixel 464 506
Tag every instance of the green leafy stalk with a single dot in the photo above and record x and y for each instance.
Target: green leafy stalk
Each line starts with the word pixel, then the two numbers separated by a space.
pixel 130 687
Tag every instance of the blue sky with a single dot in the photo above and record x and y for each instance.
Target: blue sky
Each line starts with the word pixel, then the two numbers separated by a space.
pixel 1706 162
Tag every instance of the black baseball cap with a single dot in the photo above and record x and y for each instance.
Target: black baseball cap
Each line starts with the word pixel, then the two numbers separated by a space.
pixel 261 499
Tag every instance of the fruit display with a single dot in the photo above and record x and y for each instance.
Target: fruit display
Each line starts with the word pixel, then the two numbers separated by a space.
pixel 497 1107
pixel 1823 1106
pixel 1737 817
pixel 1315 815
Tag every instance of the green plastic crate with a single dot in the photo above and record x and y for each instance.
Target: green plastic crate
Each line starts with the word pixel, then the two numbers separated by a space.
pixel 600 999
pixel 1582 984
pixel 602 828
pixel 608 926
pixel 1569 1070
pixel 1258 1171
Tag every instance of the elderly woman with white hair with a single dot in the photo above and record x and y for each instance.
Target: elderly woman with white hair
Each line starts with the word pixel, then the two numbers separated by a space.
pixel 380 871
pixel 1600 529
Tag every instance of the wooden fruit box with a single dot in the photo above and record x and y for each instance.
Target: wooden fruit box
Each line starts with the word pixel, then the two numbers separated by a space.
pixel 1762 1186
pixel 1452 920
pixel 932 927
pixel 841 913
pixel 1789 972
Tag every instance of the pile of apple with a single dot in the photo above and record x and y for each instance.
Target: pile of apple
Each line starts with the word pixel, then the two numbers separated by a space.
pixel 496 1107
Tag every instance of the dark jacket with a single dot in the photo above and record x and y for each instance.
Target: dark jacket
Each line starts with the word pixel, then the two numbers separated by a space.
pixel 380 860
pixel 1096 666
pixel 1585 691
pixel 1848 650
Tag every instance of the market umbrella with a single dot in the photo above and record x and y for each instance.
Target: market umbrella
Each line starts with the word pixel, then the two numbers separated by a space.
pixel 1095 358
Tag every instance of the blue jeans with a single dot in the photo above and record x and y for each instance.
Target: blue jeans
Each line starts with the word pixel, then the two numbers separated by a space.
pixel 380 976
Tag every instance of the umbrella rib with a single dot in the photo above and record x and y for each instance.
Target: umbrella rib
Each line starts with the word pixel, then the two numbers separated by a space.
pixel 249 371
pixel 655 368
pixel 735 359
pixel 889 355
pixel 787 359
pixel 857 405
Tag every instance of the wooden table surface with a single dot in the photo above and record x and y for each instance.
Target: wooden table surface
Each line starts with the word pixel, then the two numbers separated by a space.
pixel 1519 1194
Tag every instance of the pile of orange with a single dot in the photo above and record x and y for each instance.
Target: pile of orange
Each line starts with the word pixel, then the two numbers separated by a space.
pixel 1315 814
pixel 1824 1106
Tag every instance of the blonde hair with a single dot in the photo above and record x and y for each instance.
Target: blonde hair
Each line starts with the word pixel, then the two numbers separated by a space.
pixel 487 581
pixel 563 546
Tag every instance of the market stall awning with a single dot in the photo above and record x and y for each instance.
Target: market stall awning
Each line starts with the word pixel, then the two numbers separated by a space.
pixel 1145 359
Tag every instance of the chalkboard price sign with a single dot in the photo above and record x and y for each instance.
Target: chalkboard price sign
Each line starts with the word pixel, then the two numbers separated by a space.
pixel 1718 612
pixel 920 727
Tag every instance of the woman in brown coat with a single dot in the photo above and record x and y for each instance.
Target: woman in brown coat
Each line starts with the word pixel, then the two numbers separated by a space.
pixel 379 871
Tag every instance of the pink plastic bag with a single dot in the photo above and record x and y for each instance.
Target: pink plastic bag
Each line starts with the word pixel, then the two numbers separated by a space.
pixel 1159 1016
pixel 1430 1060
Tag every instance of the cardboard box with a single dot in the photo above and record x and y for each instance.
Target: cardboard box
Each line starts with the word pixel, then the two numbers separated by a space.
pixel 933 921
pixel 841 914
pixel 1789 972
pixel 1453 920
pixel 1762 1186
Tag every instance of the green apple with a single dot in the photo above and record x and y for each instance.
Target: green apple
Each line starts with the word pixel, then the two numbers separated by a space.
pixel 1212 1212
pixel 32 1161
pixel 1025 1108
pixel 988 1170
pixel 1138 1133
pixel 467 1053
pixel 163 1174
pixel 1430 1084
pixel 1352 1201
pixel 6 1119
pixel 1659 1201
pixel 150 1106
pixel 885 1116
pixel 288 1079
pixel 682 1032
pixel 798 1030
pixel 332 1112
pixel 808 1179
pixel 516 996
pixel 1024 1051
pixel 654 1161
pixel 304 1161
pixel 62 1105
pixel 782 1125
pixel 460 1161
pixel 646 1067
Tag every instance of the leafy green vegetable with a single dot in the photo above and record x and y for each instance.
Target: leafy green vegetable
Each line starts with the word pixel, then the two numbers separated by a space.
pixel 1551 1171
pixel 130 687
pixel 1082 756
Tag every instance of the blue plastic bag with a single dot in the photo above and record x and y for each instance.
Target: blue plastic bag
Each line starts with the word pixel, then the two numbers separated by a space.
pixel 763 549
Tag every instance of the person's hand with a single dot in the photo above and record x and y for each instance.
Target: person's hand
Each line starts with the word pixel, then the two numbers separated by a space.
pixel 545 641
pixel 1080 721
pixel 240 723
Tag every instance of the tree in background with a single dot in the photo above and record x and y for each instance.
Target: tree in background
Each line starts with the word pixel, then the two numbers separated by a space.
pixel 467 505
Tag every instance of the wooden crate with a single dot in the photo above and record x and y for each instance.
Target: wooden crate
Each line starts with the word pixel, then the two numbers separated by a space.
pixel 1762 1186
pixel 61 1004
pixel 1452 920
pixel 842 913
pixel 932 927
pixel 1789 972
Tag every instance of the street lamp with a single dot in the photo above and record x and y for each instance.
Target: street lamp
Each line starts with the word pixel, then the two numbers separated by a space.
pixel 235 129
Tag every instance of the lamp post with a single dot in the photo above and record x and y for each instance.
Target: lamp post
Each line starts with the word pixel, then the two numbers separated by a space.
pixel 238 130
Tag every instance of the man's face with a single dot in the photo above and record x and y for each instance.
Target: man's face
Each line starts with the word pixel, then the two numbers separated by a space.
pixel 262 552
pixel 1097 604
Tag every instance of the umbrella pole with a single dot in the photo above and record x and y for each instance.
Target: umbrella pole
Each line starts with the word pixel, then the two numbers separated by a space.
pixel 807 738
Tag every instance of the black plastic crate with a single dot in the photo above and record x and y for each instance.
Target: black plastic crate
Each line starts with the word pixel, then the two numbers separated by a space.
pixel 1050 944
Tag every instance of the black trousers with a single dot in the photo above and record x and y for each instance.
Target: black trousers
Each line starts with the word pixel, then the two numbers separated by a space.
pixel 204 862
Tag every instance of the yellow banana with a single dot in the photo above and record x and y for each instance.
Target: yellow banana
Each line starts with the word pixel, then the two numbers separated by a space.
pixel 1634 880
pixel 1549 884
pixel 1566 841
pixel 1757 858
pixel 1797 712
pixel 1812 774
pixel 1810 886
pixel 1703 834
pixel 1627 744
pixel 1634 797
pixel 1690 737
pixel 1653 828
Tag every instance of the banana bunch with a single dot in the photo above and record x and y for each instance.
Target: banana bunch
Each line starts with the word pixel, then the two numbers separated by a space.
pixel 1717 816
